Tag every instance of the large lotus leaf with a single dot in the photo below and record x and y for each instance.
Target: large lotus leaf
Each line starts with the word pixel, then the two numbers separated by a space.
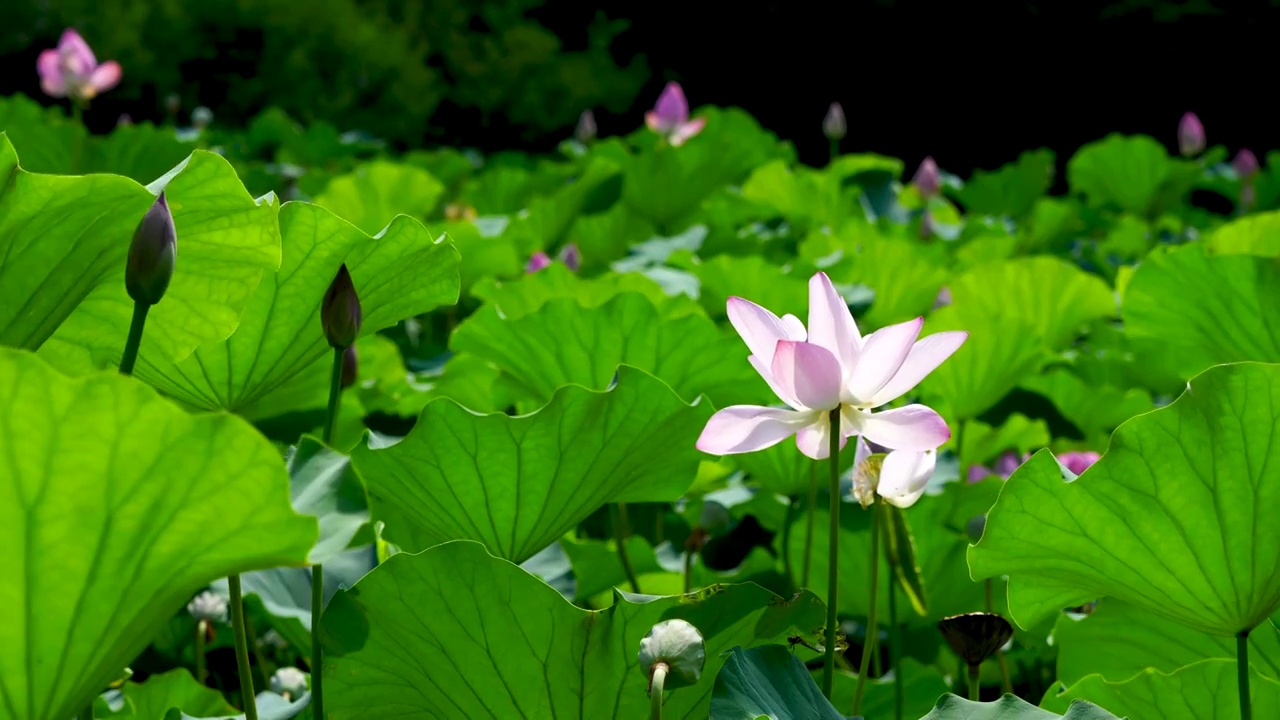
pixel 153 699
pixel 799 194
pixel 1187 310
pixel 547 219
pixel 1002 350
pixel 608 236
pixel 1250 235
pixel 1013 189
pixel 519 483
pixel 325 486
pixel 921 686
pixel 1055 297
pixel 399 273
pixel 1092 407
pixel 48 141
pixel 374 193
pixel 142 152
pixel 983 443
pixel 65 240
pixel 486 251
pixel 115 508
pixel 751 277
pixel 1168 519
pixel 1132 173
pixel 563 343
pixel 1206 690
pixel 768 681
pixel 519 297
pixel 1009 707
pixel 454 632
pixel 1118 640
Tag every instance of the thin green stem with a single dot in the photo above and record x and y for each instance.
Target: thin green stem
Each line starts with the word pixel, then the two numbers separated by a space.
pixel 134 341
pixel 787 519
pixel 621 531
pixel 1242 674
pixel 317 651
pixel 873 634
pixel 201 672
pixel 335 396
pixel 895 651
pixel 835 151
pixel 265 669
pixel 688 570
pixel 1006 680
pixel 975 689
pixel 242 649
pixel 833 560
pixel 810 523
pixel 656 686
pixel 87 713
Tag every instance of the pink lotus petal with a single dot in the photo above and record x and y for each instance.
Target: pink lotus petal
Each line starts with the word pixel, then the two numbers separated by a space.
pixel 684 131
pixel 915 428
pixel 1008 462
pixel 760 329
pixel 76 56
pixel 671 110
pixel 904 476
pixel 814 440
pixel 809 373
pixel 831 325
pixel 883 354
pixel 925 356
pixel 103 78
pixel 1191 138
pixel 767 373
pixel 49 66
pixel 928 180
pixel 537 261
pixel 654 123
pixel 979 472
pixel 748 428
pixel 1077 461
pixel 571 256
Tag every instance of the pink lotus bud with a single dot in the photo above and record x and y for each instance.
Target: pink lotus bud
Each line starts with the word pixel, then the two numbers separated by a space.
pixel 71 70
pixel 833 125
pixel 152 253
pixel 927 179
pixel 943 299
pixel 1245 163
pixel 571 256
pixel 670 116
pixel 340 311
pixel 1190 135
pixel 585 132
pixel 538 261
pixel 1077 461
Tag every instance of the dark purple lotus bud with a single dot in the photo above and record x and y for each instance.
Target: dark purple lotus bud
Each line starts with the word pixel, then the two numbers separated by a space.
pixel 350 366
pixel 1245 163
pixel 976 636
pixel 1190 135
pixel 151 255
pixel 585 132
pixel 571 256
pixel 340 311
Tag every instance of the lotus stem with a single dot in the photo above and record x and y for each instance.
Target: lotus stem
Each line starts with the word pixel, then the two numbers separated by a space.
pixel 317 652
pixel 621 531
pixel 134 341
pixel 1242 674
pixel 242 649
pixel 873 635
pixel 656 683
pixel 833 560
pixel 335 396
pixel 202 672
pixel 895 649
pixel 975 689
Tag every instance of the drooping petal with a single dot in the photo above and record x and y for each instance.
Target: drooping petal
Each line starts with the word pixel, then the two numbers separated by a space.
pixel 77 57
pixel 104 77
pixel 904 476
pixel 760 329
pixel 747 428
pixel 814 440
pixel 672 109
pixel 883 353
pixel 914 428
pixel 765 372
pixel 684 131
pixel 831 325
pixel 808 373
pixel 925 356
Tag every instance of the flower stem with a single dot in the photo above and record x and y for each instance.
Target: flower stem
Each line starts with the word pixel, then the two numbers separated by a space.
pixel 688 570
pixel 621 531
pixel 335 395
pixel 1006 681
pixel 873 634
pixel 975 690
pixel 317 652
pixel 787 567
pixel 242 649
pixel 809 528
pixel 895 649
pixel 656 684
pixel 1242 674
pixel 86 714
pixel 134 340
pixel 201 672
pixel 833 560
pixel 835 151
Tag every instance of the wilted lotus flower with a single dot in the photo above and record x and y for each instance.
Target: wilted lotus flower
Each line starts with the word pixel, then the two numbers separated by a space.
pixel 585 132
pixel 678 646
pixel 209 607
pixel 928 180
pixel 898 477
pixel 1003 466
pixel 829 366
pixel 571 256
pixel 1077 461
pixel 72 71
pixel 151 255
pixel 289 682
pixel 350 366
pixel 1245 163
pixel 537 262
pixel 1190 135
pixel 670 116
pixel 340 311
pixel 833 125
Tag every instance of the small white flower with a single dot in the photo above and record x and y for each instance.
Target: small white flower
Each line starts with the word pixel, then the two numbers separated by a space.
pixel 208 606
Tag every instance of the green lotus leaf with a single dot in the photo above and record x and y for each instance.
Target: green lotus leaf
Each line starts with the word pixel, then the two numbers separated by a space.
pixel 1093 408
pixel 1167 520
pixel 519 483
pixel 1013 189
pixel 768 681
pixel 752 277
pixel 175 689
pixel 399 273
pixel 1250 235
pixel 519 297
pixel 116 507
pixel 921 686
pixel 325 486
pixel 453 631
pixel 374 193
pixel 1132 173
pixel 1009 707
pixel 1205 691
pixel 1002 351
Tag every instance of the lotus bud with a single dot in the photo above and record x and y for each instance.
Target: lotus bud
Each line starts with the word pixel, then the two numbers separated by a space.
pixel 1190 136
pixel 209 607
pixel 834 125
pixel 928 180
pixel 201 117
pixel 677 647
pixel 1245 164
pixel 975 636
pixel 585 132
pixel 571 256
pixel 340 311
pixel 1077 461
pixel 927 225
pixel 943 299
pixel 350 366
pixel 539 261
pixel 289 682
pixel 151 255
pixel 172 104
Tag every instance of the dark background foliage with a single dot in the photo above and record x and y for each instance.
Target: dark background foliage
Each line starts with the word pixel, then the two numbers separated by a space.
pixel 972 84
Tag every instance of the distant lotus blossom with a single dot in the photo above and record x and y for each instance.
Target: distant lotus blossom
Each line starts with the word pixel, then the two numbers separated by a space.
pixel 585 132
pixel 928 180
pixel 1003 466
pixel 943 299
pixel 834 125
pixel 539 261
pixel 570 255
pixel 71 70
pixel 1190 135
pixel 1077 461
pixel 670 116
pixel 1245 163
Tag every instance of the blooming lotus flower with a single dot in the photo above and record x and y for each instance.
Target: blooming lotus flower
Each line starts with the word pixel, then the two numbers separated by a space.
pixel 834 125
pixel 1190 135
pixel 670 116
pixel 830 366
pixel 899 476
pixel 71 70
pixel 1077 461
pixel 928 180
